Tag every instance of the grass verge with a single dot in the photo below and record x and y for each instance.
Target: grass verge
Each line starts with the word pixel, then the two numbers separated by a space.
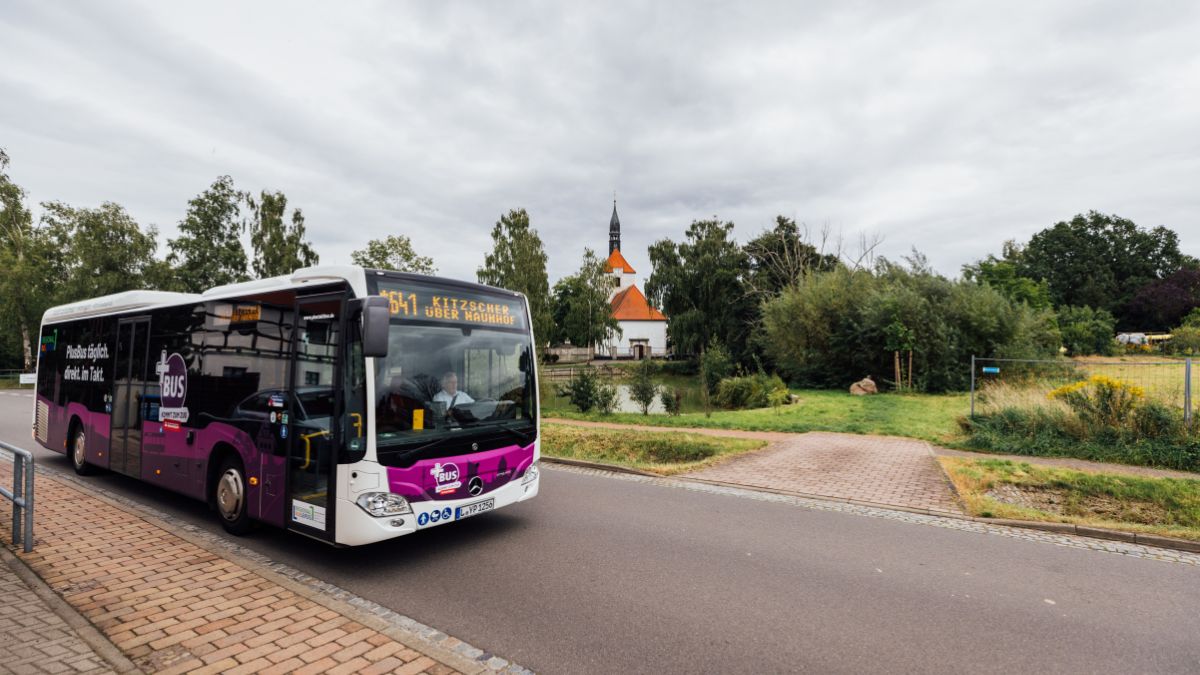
pixel 994 488
pixel 927 417
pixel 654 451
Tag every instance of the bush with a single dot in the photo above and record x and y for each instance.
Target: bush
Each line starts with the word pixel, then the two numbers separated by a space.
pixel 642 388
pixel 606 398
pixel 1101 401
pixel 584 390
pixel 671 399
pixel 1087 331
pixel 715 365
pixel 1185 341
pixel 748 391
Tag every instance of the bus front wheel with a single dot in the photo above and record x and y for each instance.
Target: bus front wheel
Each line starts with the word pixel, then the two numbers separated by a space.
pixel 229 495
pixel 79 452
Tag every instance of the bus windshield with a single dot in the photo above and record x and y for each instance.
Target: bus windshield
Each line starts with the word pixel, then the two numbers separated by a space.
pixel 457 361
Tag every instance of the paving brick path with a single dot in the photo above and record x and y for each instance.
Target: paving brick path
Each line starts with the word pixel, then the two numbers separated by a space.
pixel 172 606
pixel 35 639
pixel 875 469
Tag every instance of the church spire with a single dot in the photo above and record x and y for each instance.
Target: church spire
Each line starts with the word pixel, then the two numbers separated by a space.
pixel 614 230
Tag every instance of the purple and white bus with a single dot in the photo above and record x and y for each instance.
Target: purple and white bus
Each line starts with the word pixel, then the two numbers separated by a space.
pixel 345 404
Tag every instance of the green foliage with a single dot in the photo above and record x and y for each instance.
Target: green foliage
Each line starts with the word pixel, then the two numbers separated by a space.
pixel 750 391
pixel 835 327
pixel 671 399
pixel 279 248
pixel 606 398
pixel 715 365
pixel 1099 260
pixel 1087 331
pixel 95 252
pixel 1192 320
pixel 1003 274
pixel 642 388
pixel 581 310
pixel 582 389
pixel 518 263
pixel 1185 341
pixel 658 452
pixel 23 288
pixel 782 256
pixel 394 252
pixel 208 251
pixel 700 284
pixel 1101 401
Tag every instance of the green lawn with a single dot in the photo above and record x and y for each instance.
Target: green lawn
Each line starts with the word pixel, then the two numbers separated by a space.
pixel 653 451
pixel 928 417
pixel 1003 489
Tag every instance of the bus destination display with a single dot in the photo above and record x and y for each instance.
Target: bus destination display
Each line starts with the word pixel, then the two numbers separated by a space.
pixel 410 301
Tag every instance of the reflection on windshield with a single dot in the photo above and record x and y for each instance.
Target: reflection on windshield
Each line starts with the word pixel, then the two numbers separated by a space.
pixel 438 379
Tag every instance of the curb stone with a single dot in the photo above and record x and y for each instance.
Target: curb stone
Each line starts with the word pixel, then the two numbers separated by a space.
pixel 434 643
pixel 1156 541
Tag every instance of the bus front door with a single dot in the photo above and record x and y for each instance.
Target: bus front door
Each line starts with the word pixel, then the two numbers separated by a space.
pixel 314 401
pixel 129 390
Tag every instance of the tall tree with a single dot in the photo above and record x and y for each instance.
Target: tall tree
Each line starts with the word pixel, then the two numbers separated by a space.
pixel 782 256
pixel 1003 274
pixel 394 252
pixel 518 262
pixel 1100 260
pixel 279 248
pixel 582 313
pixel 20 284
pixel 208 251
pixel 95 251
pixel 1163 304
pixel 700 284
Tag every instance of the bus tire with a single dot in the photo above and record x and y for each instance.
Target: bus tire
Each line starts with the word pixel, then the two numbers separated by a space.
pixel 79 451
pixel 229 496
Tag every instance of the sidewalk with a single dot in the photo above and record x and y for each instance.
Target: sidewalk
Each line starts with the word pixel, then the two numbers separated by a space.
pixel 34 638
pixel 171 605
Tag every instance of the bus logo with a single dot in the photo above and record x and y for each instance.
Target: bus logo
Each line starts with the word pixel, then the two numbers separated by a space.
pixel 446 477
pixel 172 383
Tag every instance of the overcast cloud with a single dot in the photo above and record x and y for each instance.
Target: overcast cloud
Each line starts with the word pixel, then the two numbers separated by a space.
pixel 946 126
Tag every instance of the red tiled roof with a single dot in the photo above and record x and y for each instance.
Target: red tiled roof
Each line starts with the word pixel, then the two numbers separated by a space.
pixel 615 259
pixel 631 305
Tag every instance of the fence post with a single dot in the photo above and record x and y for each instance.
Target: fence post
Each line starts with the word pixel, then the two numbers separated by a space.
pixel 1187 391
pixel 18 492
pixel 972 386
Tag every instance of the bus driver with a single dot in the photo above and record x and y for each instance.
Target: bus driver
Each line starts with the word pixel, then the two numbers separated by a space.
pixel 450 395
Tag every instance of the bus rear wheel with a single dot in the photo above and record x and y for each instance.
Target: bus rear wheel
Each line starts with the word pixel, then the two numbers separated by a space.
pixel 79 452
pixel 229 496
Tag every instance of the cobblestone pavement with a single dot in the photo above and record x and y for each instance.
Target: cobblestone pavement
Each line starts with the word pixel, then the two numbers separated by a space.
pixel 33 638
pixel 963 524
pixel 171 605
pixel 877 469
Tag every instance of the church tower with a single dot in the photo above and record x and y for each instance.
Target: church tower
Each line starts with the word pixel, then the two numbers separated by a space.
pixel 614 231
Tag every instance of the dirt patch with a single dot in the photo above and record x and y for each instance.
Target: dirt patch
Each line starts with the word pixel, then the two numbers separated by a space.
pixel 1064 503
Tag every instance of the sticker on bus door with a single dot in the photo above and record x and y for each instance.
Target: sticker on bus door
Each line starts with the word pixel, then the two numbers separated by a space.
pixel 308 514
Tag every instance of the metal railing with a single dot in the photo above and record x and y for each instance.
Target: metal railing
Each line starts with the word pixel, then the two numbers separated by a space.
pixel 21 495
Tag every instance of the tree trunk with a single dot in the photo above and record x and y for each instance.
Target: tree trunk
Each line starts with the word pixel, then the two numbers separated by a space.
pixel 899 378
pixel 910 369
pixel 26 347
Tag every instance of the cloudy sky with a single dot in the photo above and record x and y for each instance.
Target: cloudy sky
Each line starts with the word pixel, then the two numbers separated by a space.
pixel 946 126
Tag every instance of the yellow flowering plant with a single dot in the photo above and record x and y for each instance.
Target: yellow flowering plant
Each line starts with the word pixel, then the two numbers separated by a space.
pixel 1101 399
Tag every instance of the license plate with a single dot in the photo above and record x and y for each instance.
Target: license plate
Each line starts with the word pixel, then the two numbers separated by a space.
pixel 474 509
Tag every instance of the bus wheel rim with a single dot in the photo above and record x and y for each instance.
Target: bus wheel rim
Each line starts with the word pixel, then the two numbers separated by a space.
pixel 229 494
pixel 80 451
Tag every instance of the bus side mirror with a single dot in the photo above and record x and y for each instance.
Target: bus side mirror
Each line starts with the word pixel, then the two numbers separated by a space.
pixel 375 318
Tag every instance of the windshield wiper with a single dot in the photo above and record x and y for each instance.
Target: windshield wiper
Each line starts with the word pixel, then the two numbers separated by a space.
pixel 525 438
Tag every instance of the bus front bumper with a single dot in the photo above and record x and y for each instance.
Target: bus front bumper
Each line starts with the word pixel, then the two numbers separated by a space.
pixel 356 527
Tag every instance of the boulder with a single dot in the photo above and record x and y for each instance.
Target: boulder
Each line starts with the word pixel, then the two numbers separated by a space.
pixel 864 387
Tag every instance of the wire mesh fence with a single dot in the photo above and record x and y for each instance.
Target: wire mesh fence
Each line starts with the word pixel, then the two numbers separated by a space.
pixel 1166 380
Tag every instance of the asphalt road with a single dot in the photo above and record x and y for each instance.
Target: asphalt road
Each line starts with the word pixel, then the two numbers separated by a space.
pixel 599 575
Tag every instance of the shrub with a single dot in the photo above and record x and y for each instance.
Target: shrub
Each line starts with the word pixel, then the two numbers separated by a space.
pixel 583 389
pixel 671 399
pixel 748 391
pixel 1101 401
pixel 606 398
pixel 1087 331
pixel 1185 341
pixel 715 365
pixel 642 388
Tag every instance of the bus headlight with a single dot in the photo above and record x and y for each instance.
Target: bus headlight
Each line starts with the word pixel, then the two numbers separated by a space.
pixel 383 504
pixel 531 474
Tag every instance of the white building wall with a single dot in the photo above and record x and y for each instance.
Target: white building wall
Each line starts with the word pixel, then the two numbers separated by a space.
pixel 654 331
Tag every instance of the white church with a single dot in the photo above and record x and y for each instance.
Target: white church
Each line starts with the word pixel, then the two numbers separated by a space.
pixel 643 328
